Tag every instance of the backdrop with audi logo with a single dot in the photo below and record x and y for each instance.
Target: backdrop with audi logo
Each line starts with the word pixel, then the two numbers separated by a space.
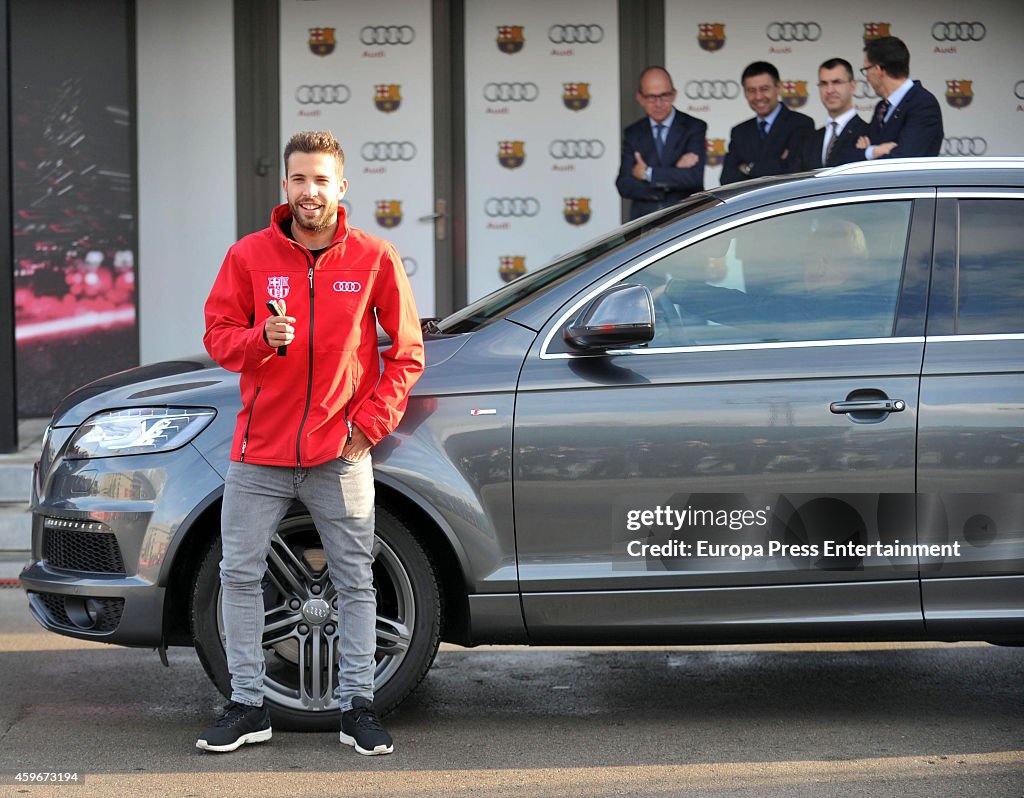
pixel 967 55
pixel 542 133
pixel 363 69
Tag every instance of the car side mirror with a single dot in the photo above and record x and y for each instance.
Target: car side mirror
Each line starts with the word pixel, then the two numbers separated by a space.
pixel 621 316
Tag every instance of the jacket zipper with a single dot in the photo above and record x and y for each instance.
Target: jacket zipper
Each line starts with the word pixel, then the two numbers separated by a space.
pixel 248 423
pixel 309 370
pixel 348 405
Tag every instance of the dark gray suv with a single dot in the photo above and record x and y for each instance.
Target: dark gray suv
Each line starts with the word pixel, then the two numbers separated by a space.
pixel 790 409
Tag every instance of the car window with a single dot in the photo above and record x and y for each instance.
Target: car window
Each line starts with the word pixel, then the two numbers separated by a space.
pixel 821 274
pixel 990 287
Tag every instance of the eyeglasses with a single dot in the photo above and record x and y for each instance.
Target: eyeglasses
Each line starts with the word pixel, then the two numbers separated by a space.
pixel 864 69
pixel 659 98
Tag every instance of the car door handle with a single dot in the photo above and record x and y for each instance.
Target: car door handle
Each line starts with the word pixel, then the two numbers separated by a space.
pixel 869 406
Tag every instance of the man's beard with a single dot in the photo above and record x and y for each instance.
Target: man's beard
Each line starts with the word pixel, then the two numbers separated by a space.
pixel 326 219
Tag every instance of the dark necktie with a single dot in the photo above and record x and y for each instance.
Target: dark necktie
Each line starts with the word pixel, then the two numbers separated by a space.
pixel 831 142
pixel 659 145
pixel 880 111
pixel 762 125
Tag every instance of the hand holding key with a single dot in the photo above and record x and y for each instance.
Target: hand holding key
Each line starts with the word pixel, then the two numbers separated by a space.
pixel 277 329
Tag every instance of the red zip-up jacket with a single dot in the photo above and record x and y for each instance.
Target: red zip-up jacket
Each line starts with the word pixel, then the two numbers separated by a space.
pixel 296 409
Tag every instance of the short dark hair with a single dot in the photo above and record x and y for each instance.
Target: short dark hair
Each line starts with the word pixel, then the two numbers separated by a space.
pixel 889 53
pixel 832 63
pixel 761 68
pixel 314 141
pixel 653 68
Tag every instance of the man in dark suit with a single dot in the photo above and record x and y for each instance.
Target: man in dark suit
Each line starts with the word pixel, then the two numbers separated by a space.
pixel 908 121
pixel 663 154
pixel 833 144
pixel 764 145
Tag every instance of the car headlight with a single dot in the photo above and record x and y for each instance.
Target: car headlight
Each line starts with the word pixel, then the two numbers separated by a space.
pixel 137 430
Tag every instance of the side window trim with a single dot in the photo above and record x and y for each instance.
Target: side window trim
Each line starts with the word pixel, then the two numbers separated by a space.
pixel 562 318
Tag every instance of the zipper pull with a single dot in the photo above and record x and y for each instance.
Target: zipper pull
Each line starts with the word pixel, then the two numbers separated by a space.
pixel 311 278
pixel 349 425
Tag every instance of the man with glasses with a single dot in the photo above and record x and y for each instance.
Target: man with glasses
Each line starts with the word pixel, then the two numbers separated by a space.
pixel 663 154
pixel 908 121
pixel 834 143
pixel 768 144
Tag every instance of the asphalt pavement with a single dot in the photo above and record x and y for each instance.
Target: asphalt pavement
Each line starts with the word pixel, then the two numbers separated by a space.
pixel 828 720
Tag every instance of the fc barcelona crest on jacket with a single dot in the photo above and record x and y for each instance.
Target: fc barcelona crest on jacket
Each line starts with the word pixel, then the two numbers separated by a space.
pixel 511 154
pixel 794 94
pixel 510 39
pixel 577 210
pixel 277 287
pixel 959 93
pixel 511 266
pixel 711 36
pixel 387 97
pixel 716 151
pixel 321 41
pixel 875 30
pixel 389 213
pixel 576 96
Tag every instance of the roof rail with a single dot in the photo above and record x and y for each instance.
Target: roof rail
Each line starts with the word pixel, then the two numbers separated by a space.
pixel 922 164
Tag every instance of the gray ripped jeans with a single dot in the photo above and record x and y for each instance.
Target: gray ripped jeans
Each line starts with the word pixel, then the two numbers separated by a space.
pixel 339 496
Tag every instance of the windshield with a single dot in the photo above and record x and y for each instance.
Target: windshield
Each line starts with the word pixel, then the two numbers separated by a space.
pixel 509 297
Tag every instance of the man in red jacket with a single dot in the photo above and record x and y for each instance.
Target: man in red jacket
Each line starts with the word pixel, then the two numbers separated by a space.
pixel 315 399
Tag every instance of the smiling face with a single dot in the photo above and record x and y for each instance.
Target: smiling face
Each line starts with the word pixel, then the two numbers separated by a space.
pixel 836 87
pixel 314 186
pixel 762 93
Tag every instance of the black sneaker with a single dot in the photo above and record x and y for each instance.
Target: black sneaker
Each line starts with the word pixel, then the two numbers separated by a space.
pixel 240 724
pixel 361 729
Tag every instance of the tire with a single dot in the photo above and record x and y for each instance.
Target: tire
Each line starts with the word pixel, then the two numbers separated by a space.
pixel 408 622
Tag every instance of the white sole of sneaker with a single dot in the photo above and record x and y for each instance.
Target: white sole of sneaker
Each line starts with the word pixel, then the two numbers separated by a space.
pixel 380 749
pixel 252 737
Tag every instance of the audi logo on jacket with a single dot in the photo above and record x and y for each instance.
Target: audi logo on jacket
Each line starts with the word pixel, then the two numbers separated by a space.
pixel 292 415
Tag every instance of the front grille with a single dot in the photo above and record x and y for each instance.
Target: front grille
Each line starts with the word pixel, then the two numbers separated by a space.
pixel 81 612
pixel 81 546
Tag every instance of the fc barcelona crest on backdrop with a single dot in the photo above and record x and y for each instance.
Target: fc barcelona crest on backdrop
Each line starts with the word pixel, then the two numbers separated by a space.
pixel 511 154
pixel 959 93
pixel 321 41
pixel 389 213
pixel 511 267
pixel 387 97
pixel 576 96
pixel 794 93
pixel 716 151
pixel 577 210
pixel 875 30
pixel 510 39
pixel 711 36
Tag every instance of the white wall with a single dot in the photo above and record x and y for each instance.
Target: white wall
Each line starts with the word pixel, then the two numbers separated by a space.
pixel 186 151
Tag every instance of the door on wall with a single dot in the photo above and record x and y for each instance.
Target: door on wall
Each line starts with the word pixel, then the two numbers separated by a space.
pixel 364 69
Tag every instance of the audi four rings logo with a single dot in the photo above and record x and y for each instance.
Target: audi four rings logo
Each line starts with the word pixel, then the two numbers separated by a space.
pixel 335 94
pixel 712 90
pixel 793 32
pixel 864 91
pixel 958 31
pixel 511 92
pixel 576 148
pixel 348 287
pixel 388 151
pixel 575 34
pixel 387 34
pixel 1018 90
pixel 512 206
pixel 964 145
